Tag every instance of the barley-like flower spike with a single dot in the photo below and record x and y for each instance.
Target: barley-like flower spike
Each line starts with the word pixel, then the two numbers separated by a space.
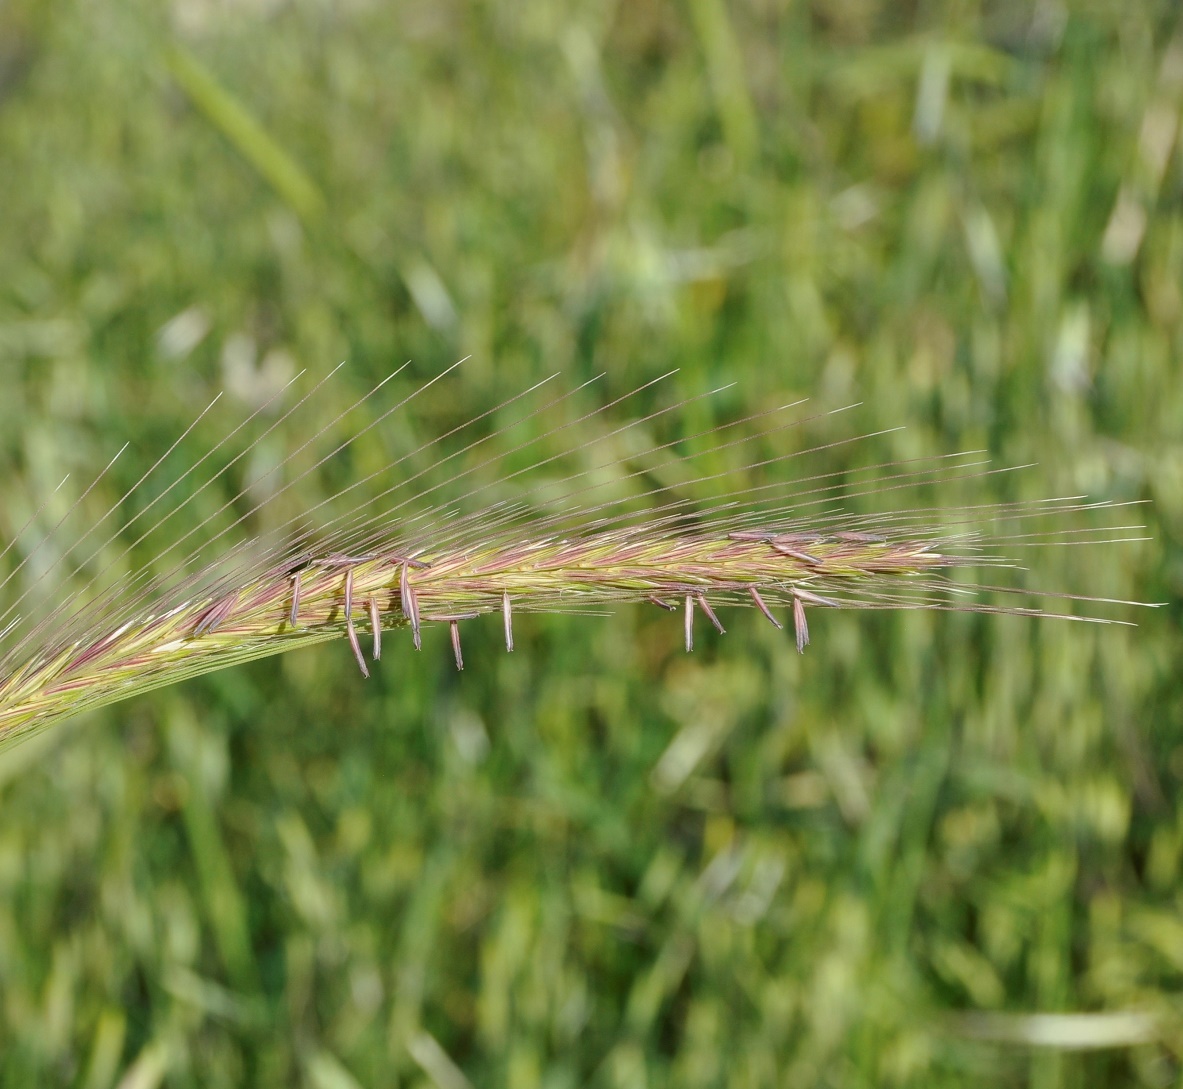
pixel 573 530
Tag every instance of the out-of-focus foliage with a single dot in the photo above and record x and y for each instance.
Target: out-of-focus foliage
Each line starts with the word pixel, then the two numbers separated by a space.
pixel 600 861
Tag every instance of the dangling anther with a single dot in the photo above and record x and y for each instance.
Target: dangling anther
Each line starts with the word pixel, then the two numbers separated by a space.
pixel 421 565
pixel 376 627
pixel 800 625
pixel 215 614
pixel 350 630
pixel 416 632
pixel 455 626
pixel 294 615
pixel 815 599
pixel 705 607
pixel 796 554
pixel 410 604
pixel 762 607
pixel 663 605
pixel 507 613
pixel 404 595
pixel 689 623
pixel 341 559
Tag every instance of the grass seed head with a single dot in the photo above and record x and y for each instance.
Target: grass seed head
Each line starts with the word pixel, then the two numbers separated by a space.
pixel 591 538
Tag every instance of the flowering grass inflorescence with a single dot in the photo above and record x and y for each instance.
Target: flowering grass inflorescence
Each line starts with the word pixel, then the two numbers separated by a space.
pixel 581 536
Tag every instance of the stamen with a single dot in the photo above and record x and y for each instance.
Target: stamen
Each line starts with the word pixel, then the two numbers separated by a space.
pixel 350 630
pixel 689 623
pixel 508 614
pixel 815 599
pixel 705 607
pixel 763 608
pixel 422 565
pixel 455 626
pixel 860 538
pixel 215 614
pixel 796 554
pixel 800 625
pixel 376 627
pixel 416 632
pixel 340 559
pixel 294 615
pixel 410 603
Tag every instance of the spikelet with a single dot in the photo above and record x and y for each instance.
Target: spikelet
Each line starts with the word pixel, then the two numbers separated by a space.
pixel 571 531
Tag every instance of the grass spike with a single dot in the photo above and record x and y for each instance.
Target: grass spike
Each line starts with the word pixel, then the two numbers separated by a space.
pixel 583 538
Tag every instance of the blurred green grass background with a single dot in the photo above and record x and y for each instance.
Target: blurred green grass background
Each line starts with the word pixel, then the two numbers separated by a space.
pixel 599 861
